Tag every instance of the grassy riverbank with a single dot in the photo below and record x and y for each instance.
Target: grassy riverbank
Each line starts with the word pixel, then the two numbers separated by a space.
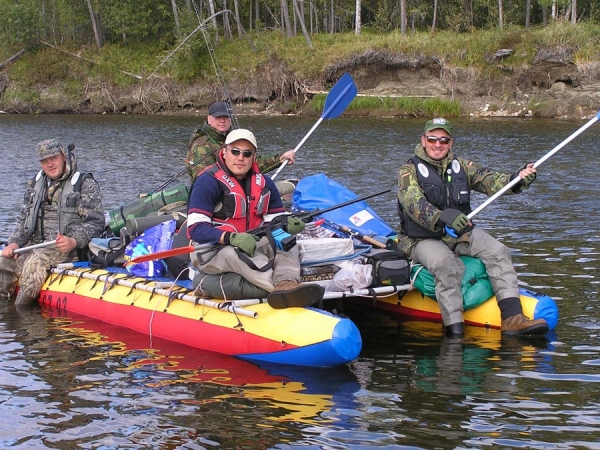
pixel 284 73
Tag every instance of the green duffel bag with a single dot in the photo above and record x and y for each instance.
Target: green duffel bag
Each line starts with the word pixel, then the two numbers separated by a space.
pixel 476 286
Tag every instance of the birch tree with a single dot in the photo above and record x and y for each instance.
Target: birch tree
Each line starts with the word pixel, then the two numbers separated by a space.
pixel 175 17
pixel 285 18
pixel 97 33
pixel 302 24
pixel 403 19
pixel 357 23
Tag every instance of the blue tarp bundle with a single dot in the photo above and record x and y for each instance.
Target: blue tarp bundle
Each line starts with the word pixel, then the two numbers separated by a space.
pixel 319 191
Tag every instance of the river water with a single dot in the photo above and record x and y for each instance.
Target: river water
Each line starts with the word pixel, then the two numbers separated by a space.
pixel 71 382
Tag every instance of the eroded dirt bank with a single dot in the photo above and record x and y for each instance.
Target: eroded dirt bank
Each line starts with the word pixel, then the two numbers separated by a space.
pixel 553 86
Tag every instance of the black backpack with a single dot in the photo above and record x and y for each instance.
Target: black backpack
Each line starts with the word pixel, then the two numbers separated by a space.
pixel 389 268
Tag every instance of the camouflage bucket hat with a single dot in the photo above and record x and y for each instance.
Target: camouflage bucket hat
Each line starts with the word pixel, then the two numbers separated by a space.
pixel 49 148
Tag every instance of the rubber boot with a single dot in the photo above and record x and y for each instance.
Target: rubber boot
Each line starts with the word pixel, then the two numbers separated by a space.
pixel 290 294
pixel 455 330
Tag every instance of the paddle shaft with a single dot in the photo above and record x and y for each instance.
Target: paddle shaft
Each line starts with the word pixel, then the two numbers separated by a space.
pixel 33 247
pixel 341 101
pixel 535 165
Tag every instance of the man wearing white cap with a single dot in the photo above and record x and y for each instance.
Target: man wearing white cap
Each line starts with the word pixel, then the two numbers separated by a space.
pixel 208 139
pixel 231 198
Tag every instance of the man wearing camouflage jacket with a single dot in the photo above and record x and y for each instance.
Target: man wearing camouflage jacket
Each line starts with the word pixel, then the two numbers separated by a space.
pixel 207 140
pixel 60 204
pixel 434 189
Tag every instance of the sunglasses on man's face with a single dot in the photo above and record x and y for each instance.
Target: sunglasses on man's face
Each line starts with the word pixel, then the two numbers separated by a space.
pixel 245 153
pixel 434 139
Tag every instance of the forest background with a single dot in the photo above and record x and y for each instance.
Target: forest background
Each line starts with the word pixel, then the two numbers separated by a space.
pixel 536 58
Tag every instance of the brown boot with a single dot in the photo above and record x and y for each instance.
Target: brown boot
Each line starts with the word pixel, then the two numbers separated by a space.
pixel 290 294
pixel 519 324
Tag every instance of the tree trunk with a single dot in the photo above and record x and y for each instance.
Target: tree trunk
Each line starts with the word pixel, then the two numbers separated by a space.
pixel 527 14
pixel 357 24
pixel 500 15
pixel 468 10
pixel 95 27
pixel 434 20
pixel 302 24
pixel 226 24
pixel 211 10
pixel 403 20
pixel 331 18
pixel 285 13
pixel 13 57
pixel 574 12
pixel 236 14
pixel 257 11
pixel 175 17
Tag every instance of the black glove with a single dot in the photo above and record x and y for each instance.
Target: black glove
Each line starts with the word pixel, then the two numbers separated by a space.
pixel 456 220
pixel 525 182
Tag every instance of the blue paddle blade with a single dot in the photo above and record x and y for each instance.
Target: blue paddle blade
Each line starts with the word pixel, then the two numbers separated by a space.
pixel 339 97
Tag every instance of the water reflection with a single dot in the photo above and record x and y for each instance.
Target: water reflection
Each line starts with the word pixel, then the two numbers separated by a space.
pixel 66 383
pixel 506 391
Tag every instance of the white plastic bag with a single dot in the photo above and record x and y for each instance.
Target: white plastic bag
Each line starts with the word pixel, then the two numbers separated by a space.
pixel 357 276
pixel 325 249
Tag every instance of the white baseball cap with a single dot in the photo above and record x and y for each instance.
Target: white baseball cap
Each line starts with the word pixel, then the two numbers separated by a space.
pixel 239 134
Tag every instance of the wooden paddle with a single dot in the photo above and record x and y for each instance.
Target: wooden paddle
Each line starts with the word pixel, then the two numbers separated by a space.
pixel 340 96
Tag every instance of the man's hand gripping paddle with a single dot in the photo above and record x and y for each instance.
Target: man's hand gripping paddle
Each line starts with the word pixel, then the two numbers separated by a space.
pixel 516 180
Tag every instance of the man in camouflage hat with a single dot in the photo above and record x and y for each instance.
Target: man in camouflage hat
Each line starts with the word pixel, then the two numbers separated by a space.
pixel 208 139
pixel 61 205
pixel 434 189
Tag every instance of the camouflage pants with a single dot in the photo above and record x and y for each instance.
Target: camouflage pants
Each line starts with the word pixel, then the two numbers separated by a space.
pixel 442 261
pixel 28 271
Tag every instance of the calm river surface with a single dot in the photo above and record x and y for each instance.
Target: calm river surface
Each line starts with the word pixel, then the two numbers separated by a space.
pixel 71 382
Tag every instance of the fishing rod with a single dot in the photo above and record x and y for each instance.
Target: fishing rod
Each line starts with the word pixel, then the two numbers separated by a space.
pixel 215 62
pixel 259 231
pixel 187 169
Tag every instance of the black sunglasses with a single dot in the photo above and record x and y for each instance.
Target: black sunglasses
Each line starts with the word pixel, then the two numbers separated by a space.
pixel 434 139
pixel 237 151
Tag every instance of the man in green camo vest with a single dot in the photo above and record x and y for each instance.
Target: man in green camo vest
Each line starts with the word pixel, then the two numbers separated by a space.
pixel 61 205
pixel 207 140
pixel 434 199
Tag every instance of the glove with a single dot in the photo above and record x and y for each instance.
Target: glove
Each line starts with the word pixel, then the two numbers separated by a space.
pixel 244 241
pixel 525 182
pixel 294 225
pixel 456 220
